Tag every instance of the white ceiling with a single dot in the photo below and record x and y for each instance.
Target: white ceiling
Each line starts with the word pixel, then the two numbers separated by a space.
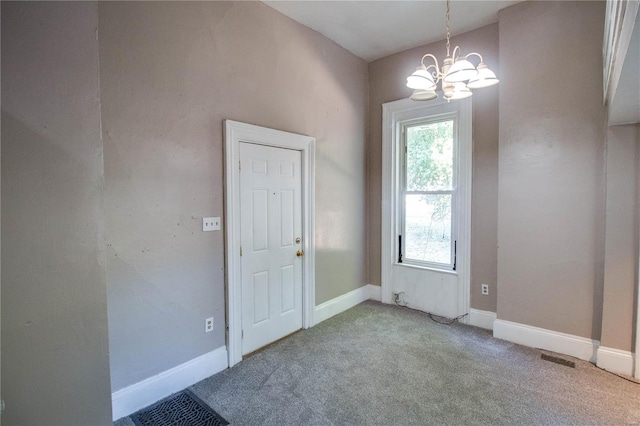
pixel 374 29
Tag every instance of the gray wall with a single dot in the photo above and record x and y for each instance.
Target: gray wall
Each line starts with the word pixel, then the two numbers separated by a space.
pixel 55 361
pixel 170 74
pixel 387 78
pixel 621 241
pixel 551 166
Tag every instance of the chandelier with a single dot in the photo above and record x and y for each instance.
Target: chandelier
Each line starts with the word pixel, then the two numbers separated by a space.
pixel 457 75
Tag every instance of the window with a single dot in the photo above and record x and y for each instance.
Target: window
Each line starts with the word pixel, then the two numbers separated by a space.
pixel 427 202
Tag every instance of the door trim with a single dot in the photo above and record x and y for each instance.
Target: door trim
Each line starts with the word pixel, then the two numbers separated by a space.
pixel 236 132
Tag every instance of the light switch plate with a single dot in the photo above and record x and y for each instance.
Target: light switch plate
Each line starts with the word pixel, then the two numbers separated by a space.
pixel 210 224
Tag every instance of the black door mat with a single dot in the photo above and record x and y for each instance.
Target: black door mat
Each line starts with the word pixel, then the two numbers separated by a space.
pixel 180 409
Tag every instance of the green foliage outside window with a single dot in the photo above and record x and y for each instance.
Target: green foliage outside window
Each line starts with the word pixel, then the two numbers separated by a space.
pixel 429 167
pixel 430 157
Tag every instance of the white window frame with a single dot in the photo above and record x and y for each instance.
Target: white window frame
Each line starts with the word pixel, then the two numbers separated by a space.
pixel 401 206
pixel 394 113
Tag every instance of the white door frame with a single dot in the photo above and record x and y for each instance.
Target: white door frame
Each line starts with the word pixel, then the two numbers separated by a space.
pixel 236 132
pixel 392 114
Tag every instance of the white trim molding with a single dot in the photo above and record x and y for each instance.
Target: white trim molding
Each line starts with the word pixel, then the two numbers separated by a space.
pixel 375 292
pixel 615 360
pixel 335 306
pixel 128 400
pixel 540 338
pixel 482 319
pixel 235 133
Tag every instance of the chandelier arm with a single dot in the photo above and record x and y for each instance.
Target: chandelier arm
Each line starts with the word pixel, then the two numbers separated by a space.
pixel 437 66
pixel 435 73
pixel 456 49
pixel 476 54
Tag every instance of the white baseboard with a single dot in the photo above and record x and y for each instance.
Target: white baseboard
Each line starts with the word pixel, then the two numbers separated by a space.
pixel 615 360
pixel 482 319
pixel 375 292
pixel 142 394
pixel 568 344
pixel 340 304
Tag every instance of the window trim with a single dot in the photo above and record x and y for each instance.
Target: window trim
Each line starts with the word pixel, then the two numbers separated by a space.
pixel 401 199
pixel 403 110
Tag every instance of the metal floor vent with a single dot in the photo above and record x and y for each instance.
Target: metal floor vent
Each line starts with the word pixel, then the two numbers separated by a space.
pixel 181 409
pixel 558 360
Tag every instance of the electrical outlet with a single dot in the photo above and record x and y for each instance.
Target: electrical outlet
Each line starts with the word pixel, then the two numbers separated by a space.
pixel 208 325
pixel 485 289
pixel 210 224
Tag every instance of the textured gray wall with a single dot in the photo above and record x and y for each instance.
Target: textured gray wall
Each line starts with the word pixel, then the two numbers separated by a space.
pixel 387 78
pixel 551 166
pixel 621 241
pixel 170 74
pixel 55 361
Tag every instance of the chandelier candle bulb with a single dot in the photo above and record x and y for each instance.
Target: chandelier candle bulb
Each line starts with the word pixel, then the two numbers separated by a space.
pixel 456 77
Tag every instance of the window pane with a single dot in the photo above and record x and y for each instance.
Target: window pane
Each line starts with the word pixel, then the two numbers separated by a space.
pixel 430 157
pixel 428 228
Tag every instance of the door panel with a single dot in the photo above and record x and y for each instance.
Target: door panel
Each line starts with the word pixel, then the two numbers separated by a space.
pixel 287 212
pixel 260 297
pixel 287 288
pixel 271 220
pixel 259 219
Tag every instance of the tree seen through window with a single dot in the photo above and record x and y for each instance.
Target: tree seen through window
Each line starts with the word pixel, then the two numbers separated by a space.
pixel 429 187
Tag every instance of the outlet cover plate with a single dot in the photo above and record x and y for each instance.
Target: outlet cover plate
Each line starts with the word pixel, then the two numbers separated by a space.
pixel 208 325
pixel 210 224
pixel 485 289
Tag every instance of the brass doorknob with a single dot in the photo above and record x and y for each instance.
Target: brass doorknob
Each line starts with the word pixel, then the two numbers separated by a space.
pixel 300 253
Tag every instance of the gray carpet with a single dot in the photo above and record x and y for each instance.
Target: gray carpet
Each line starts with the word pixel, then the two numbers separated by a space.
pixel 385 365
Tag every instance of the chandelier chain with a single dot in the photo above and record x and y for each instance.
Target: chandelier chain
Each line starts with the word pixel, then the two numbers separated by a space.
pixel 448 32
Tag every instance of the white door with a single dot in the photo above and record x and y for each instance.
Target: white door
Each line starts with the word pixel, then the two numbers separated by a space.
pixel 270 234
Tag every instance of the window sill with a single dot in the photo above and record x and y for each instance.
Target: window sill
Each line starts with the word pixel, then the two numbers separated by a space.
pixel 425 268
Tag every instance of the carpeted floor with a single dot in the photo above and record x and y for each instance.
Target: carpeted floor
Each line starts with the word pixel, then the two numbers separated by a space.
pixel 385 365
